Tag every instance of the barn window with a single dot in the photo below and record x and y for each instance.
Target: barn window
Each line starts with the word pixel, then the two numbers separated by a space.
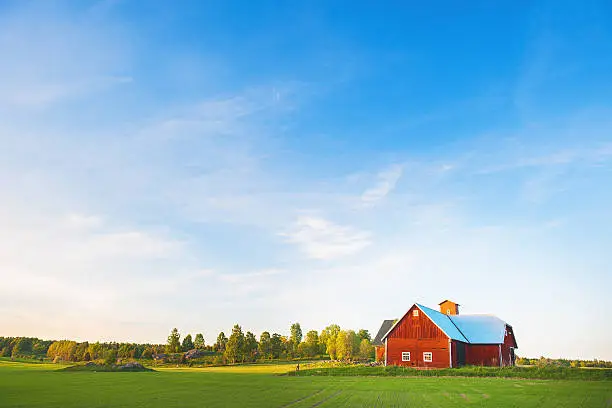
pixel 415 312
pixel 427 357
pixel 405 356
pixel 447 311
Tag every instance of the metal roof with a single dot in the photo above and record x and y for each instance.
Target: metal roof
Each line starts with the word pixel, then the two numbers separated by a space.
pixel 444 323
pixel 384 328
pixel 480 329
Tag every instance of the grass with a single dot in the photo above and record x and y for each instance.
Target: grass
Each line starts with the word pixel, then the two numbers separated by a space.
pixel 543 373
pixel 41 385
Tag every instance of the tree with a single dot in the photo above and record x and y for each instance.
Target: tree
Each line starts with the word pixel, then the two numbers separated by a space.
pixel 328 338
pixel 364 334
pixel 276 345
pixel 95 351
pixel 125 351
pixel 174 342
pixel 265 345
pixel 62 350
pixel 250 346
pixel 147 354
pixel 221 343
pixel 311 343
pixel 198 343
pixel 366 350
pixel 187 343
pixel 21 346
pixel 347 345
pixel 234 350
pixel 80 351
pixel 110 357
pixel 296 336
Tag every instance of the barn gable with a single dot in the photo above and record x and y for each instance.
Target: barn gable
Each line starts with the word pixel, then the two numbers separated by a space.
pixel 441 321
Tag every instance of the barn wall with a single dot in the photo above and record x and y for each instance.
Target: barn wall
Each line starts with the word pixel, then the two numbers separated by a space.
pixel 438 348
pixel 380 353
pixel 506 346
pixel 482 354
pixel 417 335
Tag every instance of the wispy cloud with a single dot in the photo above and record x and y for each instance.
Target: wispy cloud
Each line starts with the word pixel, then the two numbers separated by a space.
pixel 387 180
pixel 319 238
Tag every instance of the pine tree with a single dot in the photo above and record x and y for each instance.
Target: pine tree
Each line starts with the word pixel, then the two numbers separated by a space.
pixel 174 342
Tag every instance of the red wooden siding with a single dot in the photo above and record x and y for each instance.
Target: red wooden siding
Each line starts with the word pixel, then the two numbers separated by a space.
pixel 417 334
pixel 482 354
pixel 380 353
pixel 509 342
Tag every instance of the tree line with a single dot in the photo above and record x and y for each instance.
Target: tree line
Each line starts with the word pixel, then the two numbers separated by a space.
pixel 331 342
pixel 245 347
pixel 562 362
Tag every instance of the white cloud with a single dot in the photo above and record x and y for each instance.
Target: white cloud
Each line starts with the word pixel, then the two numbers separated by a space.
pixel 386 183
pixel 319 238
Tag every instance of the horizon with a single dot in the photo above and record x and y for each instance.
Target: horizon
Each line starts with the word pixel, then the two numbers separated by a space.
pixel 263 164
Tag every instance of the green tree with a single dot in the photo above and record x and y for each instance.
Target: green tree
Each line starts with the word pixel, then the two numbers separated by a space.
pixel 366 350
pixel 221 343
pixel 95 351
pixel 265 345
pixel 125 351
pixel 250 346
pixel 187 343
pixel 22 346
pixel 311 343
pixel 198 343
pixel 347 345
pixel 234 350
pixel 80 351
pixel 276 345
pixel 147 353
pixel 328 338
pixel 296 336
pixel 110 357
pixel 174 342
pixel 364 334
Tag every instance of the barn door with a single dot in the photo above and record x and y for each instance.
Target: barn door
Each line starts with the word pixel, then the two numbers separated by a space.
pixel 460 354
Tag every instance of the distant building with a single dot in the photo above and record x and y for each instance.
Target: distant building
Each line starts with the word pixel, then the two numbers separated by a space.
pixel 425 337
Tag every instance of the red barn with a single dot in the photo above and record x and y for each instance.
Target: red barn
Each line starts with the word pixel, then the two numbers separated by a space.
pixel 428 338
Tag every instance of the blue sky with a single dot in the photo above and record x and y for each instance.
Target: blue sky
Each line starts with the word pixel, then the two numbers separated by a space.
pixel 269 162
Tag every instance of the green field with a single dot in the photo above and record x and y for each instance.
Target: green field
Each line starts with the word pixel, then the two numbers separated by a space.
pixel 41 385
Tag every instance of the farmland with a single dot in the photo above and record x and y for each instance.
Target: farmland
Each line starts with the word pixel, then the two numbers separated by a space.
pixel 43 385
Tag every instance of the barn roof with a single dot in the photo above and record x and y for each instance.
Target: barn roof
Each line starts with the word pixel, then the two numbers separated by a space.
pixel 384 328
pixel 473 329
pixel 444 323
pixel 480 329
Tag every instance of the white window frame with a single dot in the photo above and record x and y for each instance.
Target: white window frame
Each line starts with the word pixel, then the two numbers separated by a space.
pixel 415 312
pixel 404 356
pixel 448 311
pixel 427 356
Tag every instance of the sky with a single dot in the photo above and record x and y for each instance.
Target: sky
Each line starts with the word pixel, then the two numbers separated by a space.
pixel 265 163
